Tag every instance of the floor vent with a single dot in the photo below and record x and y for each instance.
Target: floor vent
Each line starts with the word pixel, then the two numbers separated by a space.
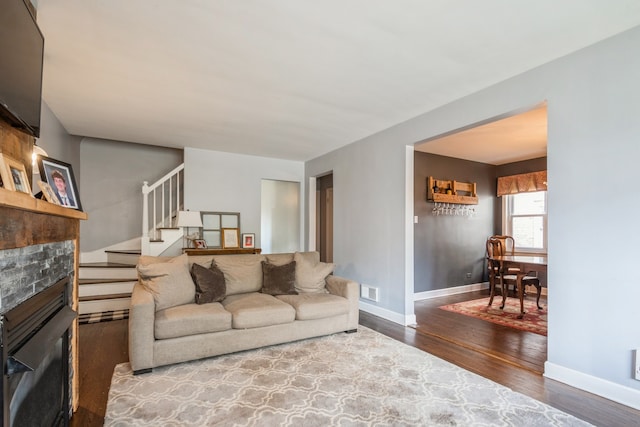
pixel 369 292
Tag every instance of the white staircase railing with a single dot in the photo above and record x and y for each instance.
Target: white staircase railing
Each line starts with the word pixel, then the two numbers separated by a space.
pixel 161 201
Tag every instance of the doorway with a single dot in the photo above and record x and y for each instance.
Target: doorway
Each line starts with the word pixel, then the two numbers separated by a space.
pixel 449 251
pixel 324 217
pixel 280 216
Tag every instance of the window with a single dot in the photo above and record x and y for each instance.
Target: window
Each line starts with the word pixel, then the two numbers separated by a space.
pixel 214 222
pixel 525 218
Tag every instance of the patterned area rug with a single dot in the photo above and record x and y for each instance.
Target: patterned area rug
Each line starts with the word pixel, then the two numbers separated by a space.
pixel 359 379
pixel 534 320
pixel 104 316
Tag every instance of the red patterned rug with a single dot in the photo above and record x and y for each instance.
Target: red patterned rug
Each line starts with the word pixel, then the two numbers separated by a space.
pixel 534 320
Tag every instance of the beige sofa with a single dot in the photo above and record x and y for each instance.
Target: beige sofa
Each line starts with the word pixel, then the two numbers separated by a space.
pixel 167 326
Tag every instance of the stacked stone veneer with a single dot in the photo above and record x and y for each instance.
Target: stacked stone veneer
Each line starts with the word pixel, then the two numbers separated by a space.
pixel 26 271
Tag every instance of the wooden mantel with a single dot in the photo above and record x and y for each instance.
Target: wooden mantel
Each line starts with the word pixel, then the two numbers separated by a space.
pixel 25 202
pixel 25 220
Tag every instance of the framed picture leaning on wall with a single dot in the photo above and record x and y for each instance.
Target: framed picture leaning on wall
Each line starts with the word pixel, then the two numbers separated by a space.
pixel 13 175
pixel 48 193
pixel 248 240
pixel 230 238
pixel 59 175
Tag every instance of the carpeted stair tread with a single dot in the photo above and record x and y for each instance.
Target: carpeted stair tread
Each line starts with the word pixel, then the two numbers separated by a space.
pixel 104 316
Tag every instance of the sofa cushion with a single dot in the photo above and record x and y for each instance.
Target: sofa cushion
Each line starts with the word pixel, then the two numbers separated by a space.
pixel 191 319
pixel 242 273
pixel 254 310
pixel 316 306
pixel 210 285
pixel 311 273
pixel 169 281
pixel 279 279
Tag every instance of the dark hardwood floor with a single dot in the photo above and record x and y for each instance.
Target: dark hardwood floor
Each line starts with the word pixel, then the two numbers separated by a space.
pixel 510 357
pixel 101 347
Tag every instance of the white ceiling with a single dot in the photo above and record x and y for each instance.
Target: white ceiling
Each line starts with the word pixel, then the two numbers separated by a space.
pixel 510 139
pixel 292 79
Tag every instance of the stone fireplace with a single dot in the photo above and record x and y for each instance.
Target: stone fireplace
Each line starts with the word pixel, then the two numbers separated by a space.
pixel 36 359
pixel 32 269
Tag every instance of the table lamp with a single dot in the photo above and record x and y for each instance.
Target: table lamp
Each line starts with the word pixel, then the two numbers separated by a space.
pixel 187 219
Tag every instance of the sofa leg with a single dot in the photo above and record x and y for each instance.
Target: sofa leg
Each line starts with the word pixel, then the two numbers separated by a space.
pixel 351 331
pixel 142 371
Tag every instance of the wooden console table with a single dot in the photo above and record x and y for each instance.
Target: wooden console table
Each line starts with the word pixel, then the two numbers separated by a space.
pixel 218 251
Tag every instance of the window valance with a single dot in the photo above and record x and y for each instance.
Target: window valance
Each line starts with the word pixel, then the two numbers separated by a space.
pixel 522 183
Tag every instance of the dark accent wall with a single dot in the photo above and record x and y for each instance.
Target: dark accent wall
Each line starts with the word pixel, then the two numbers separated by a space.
pixel 447 248
pixel 515 168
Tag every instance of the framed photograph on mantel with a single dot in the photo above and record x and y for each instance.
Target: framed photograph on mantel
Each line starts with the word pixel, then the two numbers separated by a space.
pixel 248 240
pixel 59 175
pixel 230 238
pixel 48 193
pixel 13 175
pixel 200 243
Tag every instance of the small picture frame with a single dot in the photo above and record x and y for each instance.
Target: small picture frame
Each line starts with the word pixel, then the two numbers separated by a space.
pixel 4 177
pixel 230 238
pixel 200 244
pixel 59 175
pixel 248 240
pixel 14 175
pixel 48 193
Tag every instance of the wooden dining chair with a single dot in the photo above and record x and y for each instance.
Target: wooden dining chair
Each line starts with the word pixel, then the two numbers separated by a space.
pixel 505 245
pixel 493 248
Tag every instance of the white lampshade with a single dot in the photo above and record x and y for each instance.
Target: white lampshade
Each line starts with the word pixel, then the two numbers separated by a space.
pixel 37 151
pixel 189 219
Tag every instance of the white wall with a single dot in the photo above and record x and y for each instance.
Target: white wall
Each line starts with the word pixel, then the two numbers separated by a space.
pixel 593 108
pixel 227 182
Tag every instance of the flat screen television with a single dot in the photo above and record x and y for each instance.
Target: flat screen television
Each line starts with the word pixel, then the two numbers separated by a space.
pixel 21 54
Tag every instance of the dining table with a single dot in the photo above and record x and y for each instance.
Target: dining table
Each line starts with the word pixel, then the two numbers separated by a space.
pixel 521 265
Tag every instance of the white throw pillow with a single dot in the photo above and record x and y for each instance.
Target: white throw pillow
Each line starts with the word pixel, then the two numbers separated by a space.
pixel 169 282
pixel 311 274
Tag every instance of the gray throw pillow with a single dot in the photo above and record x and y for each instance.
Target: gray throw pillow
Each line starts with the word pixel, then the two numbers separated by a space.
pixel 210 284
pixel 279 279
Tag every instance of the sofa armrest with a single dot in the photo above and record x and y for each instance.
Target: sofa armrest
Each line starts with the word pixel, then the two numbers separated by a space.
pixel 350 290
pixel 142 313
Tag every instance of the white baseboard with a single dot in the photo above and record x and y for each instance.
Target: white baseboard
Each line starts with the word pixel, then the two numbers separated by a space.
pixel 607 389
pixel 388 314
pixel 450 291
pixel 98 306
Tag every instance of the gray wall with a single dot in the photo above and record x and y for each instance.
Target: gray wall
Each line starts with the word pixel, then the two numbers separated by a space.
pixel 111 188
pixel 446 248
pixel 57 142
pixel 593 132
pixel 515 168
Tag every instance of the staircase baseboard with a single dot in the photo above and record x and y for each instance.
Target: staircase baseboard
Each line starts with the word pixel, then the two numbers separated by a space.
pixel 129 256
pixel 108 271
pixel 98 306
